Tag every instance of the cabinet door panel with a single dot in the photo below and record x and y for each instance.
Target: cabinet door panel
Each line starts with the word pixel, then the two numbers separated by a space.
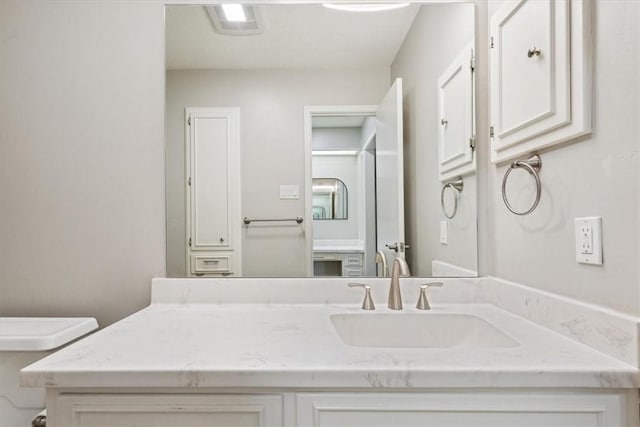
pixel 455 110
pixel 210 202
pixel 527 83
pixel 459 409
pixel 168 410
pixel 540 75
pixel 531 90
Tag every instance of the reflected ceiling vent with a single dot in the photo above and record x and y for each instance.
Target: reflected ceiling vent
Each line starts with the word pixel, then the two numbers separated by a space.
pixel 236 19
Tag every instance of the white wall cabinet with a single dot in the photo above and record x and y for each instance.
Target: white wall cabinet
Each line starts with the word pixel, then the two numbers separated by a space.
pixel 540 75
pixel 213 191
pixel 461 408
pixel 456 140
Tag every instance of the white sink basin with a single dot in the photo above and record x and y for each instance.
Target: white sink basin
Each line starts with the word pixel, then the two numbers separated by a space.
pixel 419 330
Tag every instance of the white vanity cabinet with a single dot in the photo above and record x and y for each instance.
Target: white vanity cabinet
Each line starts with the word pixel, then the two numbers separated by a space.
pixel 465 407
pixel 213 191
pixel 339 263
pixel 540 75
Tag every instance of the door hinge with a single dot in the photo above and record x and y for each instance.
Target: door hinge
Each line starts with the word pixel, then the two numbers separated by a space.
pixel 473 62
pixel 189 119
pixel 472 142
pixel 491 132
pixel 189 241
pixel 491 42
pixel 189 182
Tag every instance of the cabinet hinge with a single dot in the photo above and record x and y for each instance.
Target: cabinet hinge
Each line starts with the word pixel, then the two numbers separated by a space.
pixel 491 131
pixel 189 241
pixel 472 142
pixel 189 119
pixel 189 182
pixel 491 42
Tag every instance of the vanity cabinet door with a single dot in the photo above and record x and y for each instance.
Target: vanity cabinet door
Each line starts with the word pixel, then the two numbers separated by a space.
pixel 460 409
pixel 108 410
pixel 540 75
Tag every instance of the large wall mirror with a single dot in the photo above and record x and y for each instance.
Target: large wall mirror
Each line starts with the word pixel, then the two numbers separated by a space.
pixel 302 140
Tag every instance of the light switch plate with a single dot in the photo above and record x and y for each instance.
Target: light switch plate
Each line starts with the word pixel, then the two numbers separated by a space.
pixel 289 192
pixel 588 233
pixel 444 232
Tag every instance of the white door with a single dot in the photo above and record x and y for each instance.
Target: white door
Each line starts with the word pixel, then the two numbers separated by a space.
pixel 389 174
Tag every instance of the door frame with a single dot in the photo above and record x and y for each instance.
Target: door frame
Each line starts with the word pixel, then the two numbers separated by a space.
pixel 309 113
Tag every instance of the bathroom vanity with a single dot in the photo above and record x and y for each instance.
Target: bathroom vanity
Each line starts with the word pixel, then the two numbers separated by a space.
pixel 331 259
pixel 301 352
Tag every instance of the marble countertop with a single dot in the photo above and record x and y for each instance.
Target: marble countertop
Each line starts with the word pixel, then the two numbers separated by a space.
pixel 295 346
pixel 324 245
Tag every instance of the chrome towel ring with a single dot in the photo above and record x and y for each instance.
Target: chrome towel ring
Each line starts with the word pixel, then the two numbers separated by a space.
pixel 532 165
pixel 455 186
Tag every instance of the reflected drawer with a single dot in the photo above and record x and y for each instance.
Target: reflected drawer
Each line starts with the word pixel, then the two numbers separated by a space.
pixel 210 263
pixel 353 260
pixel 352 272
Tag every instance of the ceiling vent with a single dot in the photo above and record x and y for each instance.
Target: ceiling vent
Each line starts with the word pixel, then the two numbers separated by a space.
pixel 236 19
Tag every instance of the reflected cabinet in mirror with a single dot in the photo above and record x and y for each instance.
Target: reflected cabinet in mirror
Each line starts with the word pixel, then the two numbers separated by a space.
pixel 308 141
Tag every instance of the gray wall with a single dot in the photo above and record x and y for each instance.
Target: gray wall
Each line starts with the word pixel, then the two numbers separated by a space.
pixel 597 176
pixel 81 157
pixel 272 150
pixel 438 35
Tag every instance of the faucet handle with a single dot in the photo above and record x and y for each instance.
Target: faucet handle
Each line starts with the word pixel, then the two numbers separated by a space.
pixel 423 302
pixel 367 304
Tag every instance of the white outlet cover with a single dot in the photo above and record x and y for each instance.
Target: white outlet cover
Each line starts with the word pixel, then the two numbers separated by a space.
pixel 588 235
pixel 289 192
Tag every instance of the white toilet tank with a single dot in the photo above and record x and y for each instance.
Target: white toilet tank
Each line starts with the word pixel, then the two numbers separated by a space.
pixel 24 340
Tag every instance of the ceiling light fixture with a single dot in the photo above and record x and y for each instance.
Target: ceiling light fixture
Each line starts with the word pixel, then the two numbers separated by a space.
pixel 365 7
pixel 234 12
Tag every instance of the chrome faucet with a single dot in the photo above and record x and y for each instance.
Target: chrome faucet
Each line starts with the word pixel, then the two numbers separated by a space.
pixel 400 269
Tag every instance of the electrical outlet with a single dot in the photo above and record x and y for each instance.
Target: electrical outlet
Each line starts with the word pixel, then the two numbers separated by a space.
pixel 588 233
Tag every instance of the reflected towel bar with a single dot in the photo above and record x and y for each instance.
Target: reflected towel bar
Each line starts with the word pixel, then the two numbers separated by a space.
pixel 297 219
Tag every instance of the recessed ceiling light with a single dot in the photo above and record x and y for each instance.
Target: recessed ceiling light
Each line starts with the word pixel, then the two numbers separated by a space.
pixel 234 12
pixel 365 7
pixel 235 19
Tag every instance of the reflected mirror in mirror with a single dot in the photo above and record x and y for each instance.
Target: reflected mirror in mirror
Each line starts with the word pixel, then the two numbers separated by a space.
pixel 254 110
pixel 329 198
